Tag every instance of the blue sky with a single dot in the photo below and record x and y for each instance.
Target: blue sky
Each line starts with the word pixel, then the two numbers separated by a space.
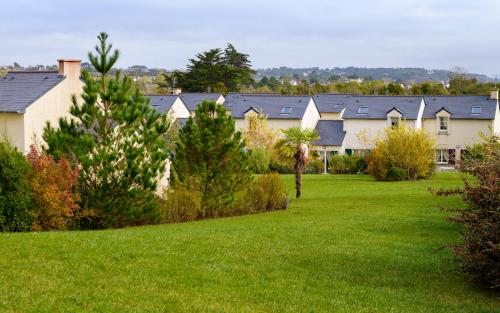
pixel 438 34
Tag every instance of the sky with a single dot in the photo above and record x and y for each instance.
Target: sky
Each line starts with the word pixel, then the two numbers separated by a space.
pixel 435 34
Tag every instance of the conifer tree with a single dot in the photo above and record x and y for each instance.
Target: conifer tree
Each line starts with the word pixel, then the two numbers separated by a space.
pixel 117 141
pixel 210 158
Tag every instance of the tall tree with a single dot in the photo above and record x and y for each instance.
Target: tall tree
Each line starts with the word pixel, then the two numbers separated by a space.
pixel 295 144
pixel 210 158
pixel 117 140
pixel 216 71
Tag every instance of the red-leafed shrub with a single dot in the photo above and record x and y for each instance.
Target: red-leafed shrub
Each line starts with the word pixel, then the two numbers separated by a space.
pixel 479 252
pixel 53 191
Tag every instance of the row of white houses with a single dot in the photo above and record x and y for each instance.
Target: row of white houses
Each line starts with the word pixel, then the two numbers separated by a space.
pixel 346 123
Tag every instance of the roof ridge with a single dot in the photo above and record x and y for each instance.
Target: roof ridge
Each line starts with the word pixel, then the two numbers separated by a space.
pixel 33 72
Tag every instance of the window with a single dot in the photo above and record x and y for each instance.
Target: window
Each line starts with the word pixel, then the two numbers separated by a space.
pixel 476 110
pixel 363 110
pixel 442 156
pixel 286 110
pixel 443 124
pixel 394 121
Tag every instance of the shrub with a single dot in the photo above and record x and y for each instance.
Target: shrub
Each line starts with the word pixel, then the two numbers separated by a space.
pixel 480 251
pixel 346 164
pixel 315 167
pixel 180 205
pixel 15 193
pixel 266 193
pixel 405 150
pixel 259 160
pixel 281 167
pixel 53 186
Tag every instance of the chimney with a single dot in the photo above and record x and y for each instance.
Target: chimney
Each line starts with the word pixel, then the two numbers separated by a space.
pixel 176 90
pixel 69 67
pixel 494 95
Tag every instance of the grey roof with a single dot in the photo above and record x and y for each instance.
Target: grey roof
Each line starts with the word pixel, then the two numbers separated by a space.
pixel 331 133
pixel 270 105
pixel 162 103
pixel 460 107
pixel 191 100
pixel 379 106
pixel 331 103
pixel 18 90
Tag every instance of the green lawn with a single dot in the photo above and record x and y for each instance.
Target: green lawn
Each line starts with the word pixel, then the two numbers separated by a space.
pixel 350 245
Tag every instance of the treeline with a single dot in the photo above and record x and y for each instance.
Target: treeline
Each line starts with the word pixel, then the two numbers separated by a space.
pixel 459 84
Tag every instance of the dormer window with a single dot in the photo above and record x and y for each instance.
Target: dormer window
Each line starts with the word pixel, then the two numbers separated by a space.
pixel 394 121
pixel 286 110
pixel 443 123
pixel 363 110
pixel 476 110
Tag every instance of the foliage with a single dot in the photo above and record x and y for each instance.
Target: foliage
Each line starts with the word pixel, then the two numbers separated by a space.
pixel 266 193
pixel 15 193
pixel 315 166
pixel 258 134
pixel 259 160
pixel 402 148
pixel 118 142
pixel 53 186
pixel 345 164
pixel 213 71
pixel 181 204
pixel 479 252
pixel 212 151
pixel 295 144
pixel 281 166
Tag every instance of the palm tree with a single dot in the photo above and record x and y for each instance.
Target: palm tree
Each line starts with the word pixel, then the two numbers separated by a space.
pixel 295 144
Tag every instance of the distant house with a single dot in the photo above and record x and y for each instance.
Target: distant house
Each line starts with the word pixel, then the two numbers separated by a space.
pixel 171 105
pixel 282 111
pixel 28 100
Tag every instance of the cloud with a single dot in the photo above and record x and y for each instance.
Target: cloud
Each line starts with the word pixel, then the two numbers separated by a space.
pixel 427 33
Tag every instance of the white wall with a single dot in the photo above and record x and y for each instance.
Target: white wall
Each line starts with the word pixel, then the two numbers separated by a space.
pixel 179 110
pixel 12 129
pixel 311 116
pixel 50 107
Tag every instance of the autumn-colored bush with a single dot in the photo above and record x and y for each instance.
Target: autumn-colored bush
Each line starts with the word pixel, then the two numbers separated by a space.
pixel 402 153
pixel 479 252
pixel 180 205
pixel 266 193
pixel 53 191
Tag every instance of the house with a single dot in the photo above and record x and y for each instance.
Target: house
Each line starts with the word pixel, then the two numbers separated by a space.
pixel 366 117
pixel 171 105
pixel 282 111
pixel 457 121
pixel 28 100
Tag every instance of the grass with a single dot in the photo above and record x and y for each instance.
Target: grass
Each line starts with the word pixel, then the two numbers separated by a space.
pixel 349 245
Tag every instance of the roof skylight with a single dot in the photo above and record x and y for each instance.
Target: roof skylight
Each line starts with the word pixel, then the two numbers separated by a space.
pixel 363 110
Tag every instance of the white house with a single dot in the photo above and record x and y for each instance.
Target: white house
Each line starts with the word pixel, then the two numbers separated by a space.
pixel 282 111
pixel 28 100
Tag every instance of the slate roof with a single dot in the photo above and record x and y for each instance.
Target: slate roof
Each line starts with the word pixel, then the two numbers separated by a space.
pixel 270 105
pixel 379 106
pixel 460 107
pixel 191 100
pixel 162 103
pixel 331 133
pixel 18 90
pixel 331 103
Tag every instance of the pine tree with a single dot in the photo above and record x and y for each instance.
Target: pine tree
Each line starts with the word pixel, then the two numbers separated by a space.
pixel 117 141
pixel 210 158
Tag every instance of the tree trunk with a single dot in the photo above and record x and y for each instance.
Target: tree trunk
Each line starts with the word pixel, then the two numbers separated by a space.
pixel 298 173
pixel 298 184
